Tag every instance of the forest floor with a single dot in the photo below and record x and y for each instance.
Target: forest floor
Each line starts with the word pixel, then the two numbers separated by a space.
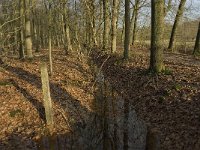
pixel 22 112
pixel 168 102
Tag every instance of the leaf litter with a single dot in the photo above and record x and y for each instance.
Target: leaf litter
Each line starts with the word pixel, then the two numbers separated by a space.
pixel 168 102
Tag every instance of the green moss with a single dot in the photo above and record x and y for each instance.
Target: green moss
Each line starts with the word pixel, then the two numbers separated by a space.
pixel 119 62
pixel 197 53
pixel 30 60
pixel 16 112
pixel 177 87
pixel 1 69
pixel 167 71
pixel 5 83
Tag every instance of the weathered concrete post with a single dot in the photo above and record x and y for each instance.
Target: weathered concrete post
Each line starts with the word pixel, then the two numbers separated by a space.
pixel 46 95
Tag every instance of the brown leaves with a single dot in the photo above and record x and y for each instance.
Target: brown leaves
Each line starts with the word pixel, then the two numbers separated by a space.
pixel 169 102
pixel 22 113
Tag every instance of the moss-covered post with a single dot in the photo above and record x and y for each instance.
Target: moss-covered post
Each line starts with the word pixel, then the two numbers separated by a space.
pixel 46 94
pixel 157 20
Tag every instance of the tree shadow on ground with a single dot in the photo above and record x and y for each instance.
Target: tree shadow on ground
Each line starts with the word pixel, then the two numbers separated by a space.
pixel 79 138
pixel 75 110
pixel 149 94
pixel 58 94
pixel 17 141
pixel 86 132
pixel 94 133
pixel 36 103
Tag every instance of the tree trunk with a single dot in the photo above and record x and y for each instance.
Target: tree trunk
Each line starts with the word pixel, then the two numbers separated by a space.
pixel 134 22
pixel 100 31
pixel 67 41
pixel 28 40
pixel 197 47
pixel 64 31
pixel 77 28
pixel 21 32
pixel 35 30
pixel 91 25
pixel 157 20
pixel 106 24
pixel 50 41
pixel 123 28
pixel 135 28
pixel 114 25
pixel 127 29
pixel 176 22
pixel 15 24
pixel 169 6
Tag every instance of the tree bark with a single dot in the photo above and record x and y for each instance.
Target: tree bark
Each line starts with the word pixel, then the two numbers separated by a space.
pixel 106 24
pixel 157 20
pixel 21 32
pixel 127 29
pixel 123 28
pixel 50 41
pixel 176 22
pixel 90 12
pixel 100 31
pixel 168 7
pixel 134 22
pixel 197 47
pixel 28 39
pixel 77 28
pixel 66 31
pixel 114 25
pixel 63 18
pixel 35 29
pixel 135 28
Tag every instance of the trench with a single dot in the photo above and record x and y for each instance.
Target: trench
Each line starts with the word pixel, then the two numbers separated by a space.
pixel 112 124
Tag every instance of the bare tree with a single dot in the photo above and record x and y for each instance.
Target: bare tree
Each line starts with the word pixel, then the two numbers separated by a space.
pixel 114 25
pixel 157 24
pixel 176 22
pixel 21 32
pixel 197 47
pixel 127 29
pixel 66 31
pixel 106 24
pixel 134 21
pixel 28 39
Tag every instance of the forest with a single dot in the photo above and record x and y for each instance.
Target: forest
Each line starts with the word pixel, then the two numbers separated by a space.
pixel 99 75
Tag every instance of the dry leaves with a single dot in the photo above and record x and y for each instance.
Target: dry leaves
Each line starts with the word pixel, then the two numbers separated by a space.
pixel 169 102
